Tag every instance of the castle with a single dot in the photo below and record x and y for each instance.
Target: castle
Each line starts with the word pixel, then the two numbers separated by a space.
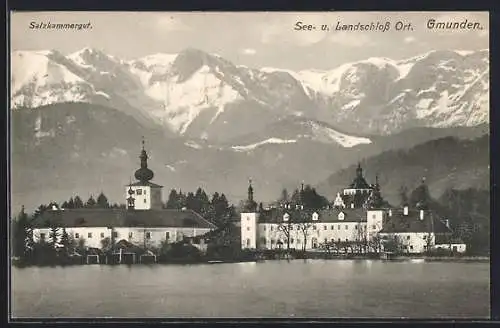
pixel 359 216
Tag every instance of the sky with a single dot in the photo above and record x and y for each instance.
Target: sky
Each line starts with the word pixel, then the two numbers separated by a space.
pixel 255 39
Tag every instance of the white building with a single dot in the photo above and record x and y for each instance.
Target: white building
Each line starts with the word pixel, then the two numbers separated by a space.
pixel 143 222
pixel 358 215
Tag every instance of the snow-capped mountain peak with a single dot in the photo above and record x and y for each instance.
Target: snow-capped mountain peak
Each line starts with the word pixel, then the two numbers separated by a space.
pixel 197 94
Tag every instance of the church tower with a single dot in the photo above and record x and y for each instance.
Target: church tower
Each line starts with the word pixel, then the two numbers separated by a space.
pixel 144 194
pixel 249 221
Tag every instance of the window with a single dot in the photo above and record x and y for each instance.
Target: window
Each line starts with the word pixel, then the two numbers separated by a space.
pixel 408 237
pixel 347 239
pixel 333 240
pixel 291 241
pixel 144 200
pixel 248 228
pixel 339 240
pixel 314 243
pixel 89 235
pixel 272 228
pixel 273 241
pixel 314 227
pixel 325 227
pixel 248 218
pixel 167 235
pixel 130 234
pixel 139 191
pixel 411 247
pixel 102 234
pixel 338 227
pixel 346 227
pixel 145 191
pixel 356 227
pixel 332 227
pixel 374 227
pixel 42 236
pixel 425 237
pixel 264 228
pixel 291 227
pixel 148 235
pixel 77 235
pixel 248 242
pixel 115 234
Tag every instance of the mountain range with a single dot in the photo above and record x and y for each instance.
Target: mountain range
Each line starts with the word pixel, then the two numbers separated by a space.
pixel 201 95
pixel 77 120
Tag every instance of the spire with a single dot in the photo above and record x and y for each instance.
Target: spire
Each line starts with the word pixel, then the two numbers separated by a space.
pixel 359 170
pixel 144 174
pixel 250 191
pixel 250 204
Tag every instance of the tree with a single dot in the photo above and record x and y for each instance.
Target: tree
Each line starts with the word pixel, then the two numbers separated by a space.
pixel 54 235
pixel 305 225
pixel 106 243
pixel 22 235
pixel 286 227
pixel 375 244
pixel 71 203
pixel 64 204
pixel 65 241
pixel 173 201
pixel 102 201
pixel 91 202
pixel 393 244
pixel 78 202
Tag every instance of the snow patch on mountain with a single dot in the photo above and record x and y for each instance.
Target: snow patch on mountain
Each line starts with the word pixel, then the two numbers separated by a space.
pixel 328 135
pixel 264 142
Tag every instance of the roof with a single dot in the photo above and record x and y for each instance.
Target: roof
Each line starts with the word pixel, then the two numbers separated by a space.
pixel 399 223
pixel 144 184
pixel 275 215
pixel 107 217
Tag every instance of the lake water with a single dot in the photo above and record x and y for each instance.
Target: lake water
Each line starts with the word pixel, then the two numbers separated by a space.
pixel 295 289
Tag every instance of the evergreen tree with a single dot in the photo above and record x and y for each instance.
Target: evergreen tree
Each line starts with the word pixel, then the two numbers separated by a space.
pixel 78 202
pixel 65 241
pixel 182 199
pixel 91 202
pixel 64 205
pixel 190 201
pixel 173 201
pixel 102 201
pixel 40 210
pixel 20 234
pixel 71 203
pixel 54 235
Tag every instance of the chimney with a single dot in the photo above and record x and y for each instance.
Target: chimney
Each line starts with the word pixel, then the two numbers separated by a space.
pixel 421 214
pixel 405 210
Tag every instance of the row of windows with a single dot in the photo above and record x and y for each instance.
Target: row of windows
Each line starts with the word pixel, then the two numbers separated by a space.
pixel 299 241
pixel 139 191
pixel 314 227
pixel 115 235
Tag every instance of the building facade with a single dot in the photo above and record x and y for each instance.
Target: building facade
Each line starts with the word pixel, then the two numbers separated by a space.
pixel 144 222
pixel 358 217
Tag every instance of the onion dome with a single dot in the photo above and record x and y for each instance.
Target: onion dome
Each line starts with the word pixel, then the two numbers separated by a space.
pixel 144 174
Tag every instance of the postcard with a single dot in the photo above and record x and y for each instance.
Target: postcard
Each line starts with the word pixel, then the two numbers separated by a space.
pixel 287 165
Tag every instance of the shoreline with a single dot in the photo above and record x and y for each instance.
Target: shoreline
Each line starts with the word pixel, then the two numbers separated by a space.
pixel 480 259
